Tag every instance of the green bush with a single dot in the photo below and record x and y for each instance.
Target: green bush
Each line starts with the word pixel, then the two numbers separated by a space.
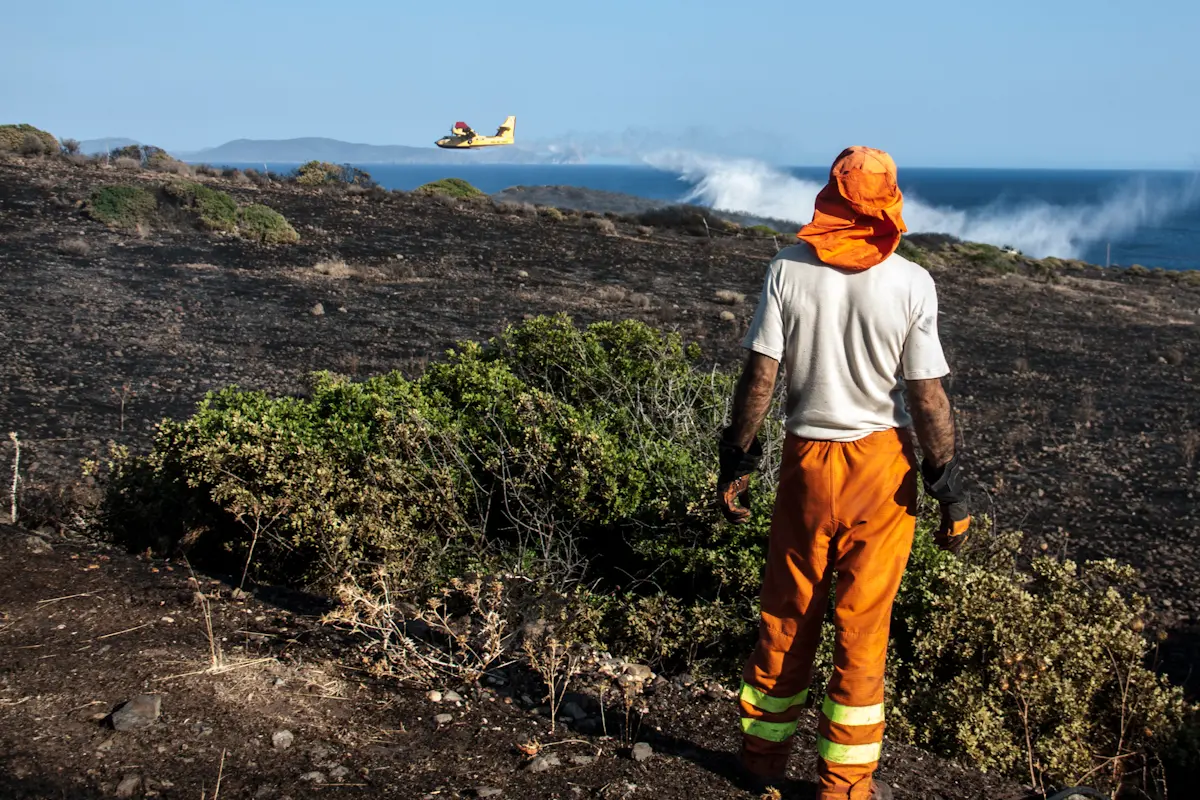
pixel 265 224
pixel 215 210
pixel 453 187
pixel 913 253
pixel 762 231
pixel 322 173
pixel 123 206
pixel 1044 669
pixel 987 257
pixel 317 173
pixel 14 138
pixel 583 460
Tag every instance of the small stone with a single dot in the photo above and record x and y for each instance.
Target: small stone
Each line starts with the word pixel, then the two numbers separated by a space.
pixel 573 711
pixel 313 777
pixel 522 274
pixel 129 786
pixel 444 719
pixel 452 697
pixel 278 682
pixel 139 712
pixel 434 696
pixel 582 761
pixel 317 310
pixel 36 545
pixel 488 791
pixel 728 316
pixel 543 763
pixel 282 740
pixel 642 751
pixel 342 309
pixel 339 773
pixel 639 672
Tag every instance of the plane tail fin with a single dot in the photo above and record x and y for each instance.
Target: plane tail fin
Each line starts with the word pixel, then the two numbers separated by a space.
pixel 508 127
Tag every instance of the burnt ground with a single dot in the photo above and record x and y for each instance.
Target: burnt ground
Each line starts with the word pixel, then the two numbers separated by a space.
pixel 1077 397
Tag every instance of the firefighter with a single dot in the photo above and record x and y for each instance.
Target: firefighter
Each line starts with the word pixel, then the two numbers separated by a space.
pixel 855 327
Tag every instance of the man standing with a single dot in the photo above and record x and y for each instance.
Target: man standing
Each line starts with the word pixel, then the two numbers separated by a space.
pixel 856 328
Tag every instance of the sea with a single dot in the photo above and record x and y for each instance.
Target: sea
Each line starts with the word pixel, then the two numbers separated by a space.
pixel 1106 217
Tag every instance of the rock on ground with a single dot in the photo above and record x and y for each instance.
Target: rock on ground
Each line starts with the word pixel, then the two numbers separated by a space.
pixel 139 712
pixel 642 751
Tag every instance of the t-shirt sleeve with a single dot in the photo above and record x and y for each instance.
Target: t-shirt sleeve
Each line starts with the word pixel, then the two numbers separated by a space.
pixel 923 358
pixel 766 329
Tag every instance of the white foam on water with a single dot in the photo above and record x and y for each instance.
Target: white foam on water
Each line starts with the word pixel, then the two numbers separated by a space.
pixel 1038 229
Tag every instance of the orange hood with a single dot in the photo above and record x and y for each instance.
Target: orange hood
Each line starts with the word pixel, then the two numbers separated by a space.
pixel 857 221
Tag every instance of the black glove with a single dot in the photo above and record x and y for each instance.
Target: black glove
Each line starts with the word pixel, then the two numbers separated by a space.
pixel 733 477
pixel 945 484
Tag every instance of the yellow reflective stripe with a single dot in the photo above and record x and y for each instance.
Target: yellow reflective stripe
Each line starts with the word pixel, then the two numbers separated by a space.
pixel 852 715
pixel 776 705
pixel 771 731
pixel 848 753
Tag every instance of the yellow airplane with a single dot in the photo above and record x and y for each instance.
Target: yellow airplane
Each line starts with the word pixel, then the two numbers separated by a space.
pixel 462 137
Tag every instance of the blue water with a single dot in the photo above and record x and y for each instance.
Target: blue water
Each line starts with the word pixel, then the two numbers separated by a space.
pixel 1117 217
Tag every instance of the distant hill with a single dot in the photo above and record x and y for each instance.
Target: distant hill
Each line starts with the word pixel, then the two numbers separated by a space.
pixel 93 146
pixel 338 152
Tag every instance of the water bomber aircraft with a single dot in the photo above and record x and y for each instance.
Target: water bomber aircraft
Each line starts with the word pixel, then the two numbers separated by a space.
pixel 462 137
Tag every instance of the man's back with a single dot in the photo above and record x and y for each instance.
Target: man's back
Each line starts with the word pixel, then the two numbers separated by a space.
pixel 847 339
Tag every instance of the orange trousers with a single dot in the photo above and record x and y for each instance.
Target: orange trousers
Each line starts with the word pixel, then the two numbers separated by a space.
pixel 847 508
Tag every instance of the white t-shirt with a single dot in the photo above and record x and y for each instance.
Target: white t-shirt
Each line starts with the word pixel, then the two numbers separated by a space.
pixel 847 340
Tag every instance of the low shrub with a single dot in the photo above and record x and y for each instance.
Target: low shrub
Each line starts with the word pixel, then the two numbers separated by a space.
pixel 986 256
pixel 215 210
pixel 70 147
pixel 454 187
pixel 605 226
pixel 264 224
pixel 913 253
pixel 15 138
pixel 123 206
pixel 761 231
pixel 131 207
pixel 693 220
pixel 323 173
pixel 32 145
pixel 579 463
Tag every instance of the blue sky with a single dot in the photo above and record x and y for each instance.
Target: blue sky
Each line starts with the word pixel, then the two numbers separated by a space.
pixel 1051 83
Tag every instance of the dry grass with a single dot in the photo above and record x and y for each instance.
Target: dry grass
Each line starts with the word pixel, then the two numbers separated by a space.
pixel 335 268
pixel 74 246
pixel 127 163
pixel 173 167
pixel 639 300
pixel 605 226
pixel 610 294
pixel 729 298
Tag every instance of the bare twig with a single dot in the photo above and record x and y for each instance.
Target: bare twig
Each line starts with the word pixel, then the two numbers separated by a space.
pixel 127 630
pixel 218 670
pixel 65 597
pixel 16 471
pixel 220 773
